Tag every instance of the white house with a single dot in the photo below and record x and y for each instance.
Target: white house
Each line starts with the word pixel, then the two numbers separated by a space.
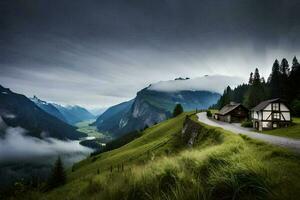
pixel 271 114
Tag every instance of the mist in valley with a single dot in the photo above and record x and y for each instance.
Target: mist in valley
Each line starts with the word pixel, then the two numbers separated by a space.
pixel 23 157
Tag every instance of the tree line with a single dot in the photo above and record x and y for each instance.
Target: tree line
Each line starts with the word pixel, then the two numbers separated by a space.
pixel 283 82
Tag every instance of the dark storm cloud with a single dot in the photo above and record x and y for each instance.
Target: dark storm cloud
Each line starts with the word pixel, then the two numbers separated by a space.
pixel 101 52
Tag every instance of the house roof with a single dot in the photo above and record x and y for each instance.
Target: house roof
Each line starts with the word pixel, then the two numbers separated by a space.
pixel 262 105
pixel 228 108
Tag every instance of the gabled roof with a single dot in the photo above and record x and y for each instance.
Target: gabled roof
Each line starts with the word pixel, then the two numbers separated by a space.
pixel 262 105
pixel 228 108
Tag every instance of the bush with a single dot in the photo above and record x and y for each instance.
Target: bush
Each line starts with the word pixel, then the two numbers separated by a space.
pixel 208 114
pixel 247 124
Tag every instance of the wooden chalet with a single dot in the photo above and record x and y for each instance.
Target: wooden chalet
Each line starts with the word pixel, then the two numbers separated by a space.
pixel 233 112
pixel 271 114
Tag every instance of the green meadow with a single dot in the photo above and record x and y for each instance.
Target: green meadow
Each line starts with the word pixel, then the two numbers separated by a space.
pixel 158 165
pixel 291 131
pixel 91 131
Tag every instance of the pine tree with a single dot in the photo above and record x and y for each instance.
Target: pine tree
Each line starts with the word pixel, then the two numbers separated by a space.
pixel 284 82
pixel 58 175
pixel 284 67
pixel 251 78
pixel 256 92
pixel 294 81
pixel 238 94
pixel 225 98
pixel 274 80
pixel 295 62
pixel 177 110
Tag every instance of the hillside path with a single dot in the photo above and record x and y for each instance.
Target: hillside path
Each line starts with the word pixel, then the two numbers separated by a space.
pixel 292 144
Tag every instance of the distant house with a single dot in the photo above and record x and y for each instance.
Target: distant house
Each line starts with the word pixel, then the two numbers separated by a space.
pixel 233 112
pixel 271 114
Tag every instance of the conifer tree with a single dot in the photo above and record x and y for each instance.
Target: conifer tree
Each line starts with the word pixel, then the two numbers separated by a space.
pixel 294 81
pixel 256 92
pixel 251 78
pixel 284 67
pixel 177 110
pixel 284 82
pixel 58 175
pixel 274 80
pixel 295 62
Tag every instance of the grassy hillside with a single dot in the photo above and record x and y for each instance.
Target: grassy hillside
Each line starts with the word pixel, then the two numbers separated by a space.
pixel 292 131
pixel 158 165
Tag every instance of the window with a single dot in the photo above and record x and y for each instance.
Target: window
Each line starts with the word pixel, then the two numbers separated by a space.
pixel 275 106
pixel 276 116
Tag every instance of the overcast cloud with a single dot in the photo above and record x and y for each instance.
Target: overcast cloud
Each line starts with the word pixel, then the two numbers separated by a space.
pixel 99 53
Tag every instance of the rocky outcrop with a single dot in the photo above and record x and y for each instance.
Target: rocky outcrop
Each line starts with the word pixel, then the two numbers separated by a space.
pixel 151 107
pixel 190 131
pixel 193 132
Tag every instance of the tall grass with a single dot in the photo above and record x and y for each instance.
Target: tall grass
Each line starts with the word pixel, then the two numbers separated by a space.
pixel 221 165
pixel 234 169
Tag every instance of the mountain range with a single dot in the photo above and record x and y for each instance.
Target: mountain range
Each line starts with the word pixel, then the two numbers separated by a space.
pixel 154 104
pixel 17 110
pixel 68 114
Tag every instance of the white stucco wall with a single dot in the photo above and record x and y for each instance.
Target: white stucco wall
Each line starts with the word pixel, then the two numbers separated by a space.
pixel 254 115
pixel 266 114
pixel 283 107
pixel 260 115
pixel 269 107
pixel 266 124
pixel 286 115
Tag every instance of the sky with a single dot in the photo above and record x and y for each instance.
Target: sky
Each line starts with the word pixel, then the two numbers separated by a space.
pixel 97 53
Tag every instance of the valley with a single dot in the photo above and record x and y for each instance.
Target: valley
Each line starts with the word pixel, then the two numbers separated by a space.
pixel 91 130
pixel 149 100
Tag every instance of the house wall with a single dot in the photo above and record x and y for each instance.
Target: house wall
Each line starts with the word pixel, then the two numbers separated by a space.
pixel 287 116
pixel 269 107
pixel 266 114
pixel 225 118
pixel 283 107
pixel 259 117
pixel 267 124
pixel 254 115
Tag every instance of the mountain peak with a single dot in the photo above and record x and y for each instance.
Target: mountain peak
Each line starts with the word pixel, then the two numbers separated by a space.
pixel 212 83
pixel 35 99
pixel 4 90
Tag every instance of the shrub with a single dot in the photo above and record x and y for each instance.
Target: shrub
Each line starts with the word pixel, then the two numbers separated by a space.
pixel 208 114
pixel 247 124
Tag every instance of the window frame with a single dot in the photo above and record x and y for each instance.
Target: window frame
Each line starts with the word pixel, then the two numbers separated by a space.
pixel 275 106
pixel 276 115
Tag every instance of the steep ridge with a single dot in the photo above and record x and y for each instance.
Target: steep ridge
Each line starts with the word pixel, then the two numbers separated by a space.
pixel 74 114
pixel 151 107
pixel 17 110
pixel 48 107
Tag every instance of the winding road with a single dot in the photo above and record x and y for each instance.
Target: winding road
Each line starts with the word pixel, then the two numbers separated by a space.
pixel 292 144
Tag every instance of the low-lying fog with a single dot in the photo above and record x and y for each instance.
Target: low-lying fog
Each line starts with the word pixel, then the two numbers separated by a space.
pixel 22 156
